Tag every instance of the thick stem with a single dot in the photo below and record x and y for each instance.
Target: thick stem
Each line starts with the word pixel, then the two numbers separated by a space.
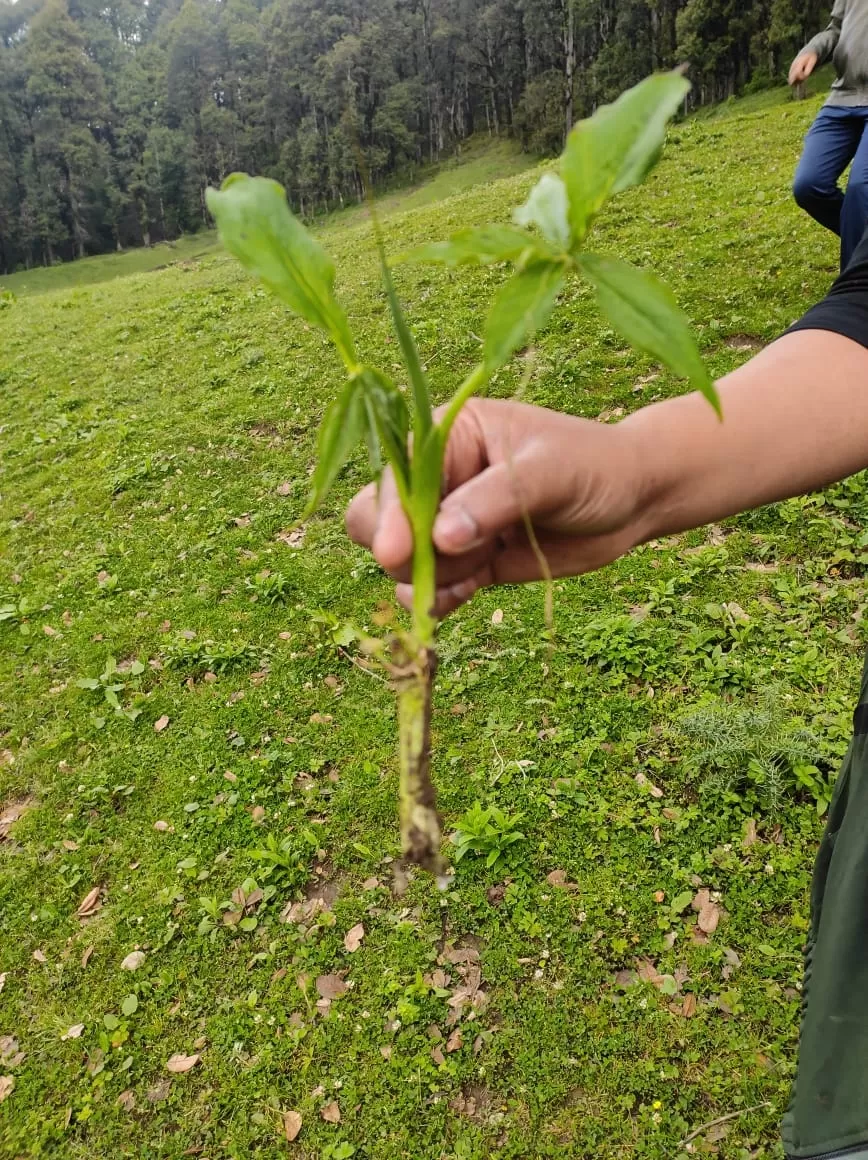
pixel 421 835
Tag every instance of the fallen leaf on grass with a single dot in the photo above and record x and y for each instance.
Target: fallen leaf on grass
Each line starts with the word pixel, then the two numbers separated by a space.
pixel 133 961
pixel 557 878
pixel 292 537
pixel 708 911
pixel 654 790
pixel 3 977
pixel 331 1113
pixel 10 814
pixel 40 956
pixel 353 938
pixel 7 1083
pixel 291 1125
pixel 90 904
pixel 10 1056
pixel 85 958
pixel 258 815
pixel 321 718
pixel 161 723
pixel 497 616
pixel 68 844
pixel 284 489
pixel 438 1056
pixel 179 1063
pixel 331 986
pixel 159 1092
pixel 126 1100
pixel 688 1006
pixel 73 1032
pixel 750 834
pixel 162 827
pixel 370 884
pixel 455 1041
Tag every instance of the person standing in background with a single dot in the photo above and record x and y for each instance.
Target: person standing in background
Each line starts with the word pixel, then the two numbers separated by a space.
pixel 838 135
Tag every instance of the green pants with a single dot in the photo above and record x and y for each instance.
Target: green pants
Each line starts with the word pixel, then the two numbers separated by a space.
pixel 828 1113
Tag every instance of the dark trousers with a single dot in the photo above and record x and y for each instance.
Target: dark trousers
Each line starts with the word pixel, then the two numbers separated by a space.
pixel 837 137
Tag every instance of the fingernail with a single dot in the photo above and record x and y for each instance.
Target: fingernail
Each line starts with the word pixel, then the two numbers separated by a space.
pixel 457 528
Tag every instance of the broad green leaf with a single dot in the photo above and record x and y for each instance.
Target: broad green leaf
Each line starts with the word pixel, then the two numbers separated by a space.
pixel 519 308
pixel 643 309
pixel 477 245
pixel 87 683
pixel 342 428
pixel 618 146
pixel 548 208
pixel 390 414
pixel 130 1005
pixel 372 440
pixel 258 228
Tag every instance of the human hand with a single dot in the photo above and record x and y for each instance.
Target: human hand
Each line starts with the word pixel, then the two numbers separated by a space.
pixel 802 67
pixel 577 481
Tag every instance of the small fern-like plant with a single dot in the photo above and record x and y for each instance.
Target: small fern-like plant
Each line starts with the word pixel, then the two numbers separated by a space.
pixel 755 750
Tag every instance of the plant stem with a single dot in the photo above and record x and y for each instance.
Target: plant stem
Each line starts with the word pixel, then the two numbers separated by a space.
pixel 474 383
pixel 415 665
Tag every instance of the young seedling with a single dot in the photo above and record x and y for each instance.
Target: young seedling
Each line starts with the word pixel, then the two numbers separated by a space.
pixel 613 150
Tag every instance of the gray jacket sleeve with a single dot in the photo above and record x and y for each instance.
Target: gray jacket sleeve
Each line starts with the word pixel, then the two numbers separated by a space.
pixel 825 42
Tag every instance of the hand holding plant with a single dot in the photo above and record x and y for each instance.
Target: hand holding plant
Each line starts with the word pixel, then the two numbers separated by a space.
pixel 610 152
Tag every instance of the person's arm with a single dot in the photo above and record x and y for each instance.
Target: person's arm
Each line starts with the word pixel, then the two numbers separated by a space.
pixel 824 43
pixel 795 418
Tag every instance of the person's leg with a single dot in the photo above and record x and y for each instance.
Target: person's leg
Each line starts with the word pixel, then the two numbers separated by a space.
pixel 854 212
pixel 829 148
pixel 828 1112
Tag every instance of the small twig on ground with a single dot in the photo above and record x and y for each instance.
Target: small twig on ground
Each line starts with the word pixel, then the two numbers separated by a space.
pixel 723 1120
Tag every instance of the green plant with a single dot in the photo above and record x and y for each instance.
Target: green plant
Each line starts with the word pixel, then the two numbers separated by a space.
pixel 488 832
pixel 270 587
pixel 286 862
pixel 199 656
pixel 612 151
pixel 15 610
pixel 756 750
pixel 113 680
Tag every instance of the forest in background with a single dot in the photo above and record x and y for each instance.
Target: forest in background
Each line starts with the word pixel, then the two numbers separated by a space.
pixel 115 115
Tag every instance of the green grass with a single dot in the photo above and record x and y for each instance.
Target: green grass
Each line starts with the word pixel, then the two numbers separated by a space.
pixel 157 435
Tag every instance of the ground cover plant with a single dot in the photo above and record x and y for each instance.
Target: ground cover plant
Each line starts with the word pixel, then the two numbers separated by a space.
pixel 211 878
pixel 612 151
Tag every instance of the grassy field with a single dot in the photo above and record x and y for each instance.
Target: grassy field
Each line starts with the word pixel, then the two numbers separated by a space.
pixel 205 782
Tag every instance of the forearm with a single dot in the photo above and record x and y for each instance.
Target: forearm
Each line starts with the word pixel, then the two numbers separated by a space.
pixel 825 42
pixel 795 419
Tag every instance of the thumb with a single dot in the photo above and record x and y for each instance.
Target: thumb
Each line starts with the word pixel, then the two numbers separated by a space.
pixel 481 509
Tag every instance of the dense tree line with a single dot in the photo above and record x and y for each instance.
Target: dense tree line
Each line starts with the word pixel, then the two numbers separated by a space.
pixel 116 114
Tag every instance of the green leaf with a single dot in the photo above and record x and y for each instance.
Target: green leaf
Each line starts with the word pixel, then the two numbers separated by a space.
pixel 409 351
pixel 87 683
pixel 643 309
pixel 130 1005
pixel 519 308
pixel 258 228
pixel 618 146
pixel 548 208
pixel 681 902
pixel 111 1022
pixel 342 428
pixel 669 985
pixel 480 245
pixel 391 417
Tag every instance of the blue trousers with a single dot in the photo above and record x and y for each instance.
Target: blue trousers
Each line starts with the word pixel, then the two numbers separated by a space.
pixel 837 137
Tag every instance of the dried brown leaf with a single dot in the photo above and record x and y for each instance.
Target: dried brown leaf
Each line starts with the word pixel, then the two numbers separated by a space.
pixel 85 958
pixel 497 616
pixel 688 1006
pixel 331 1113
pixel 750 834
pixel 291 1125
pixel 90 904
pixel 40 956
pixel 321 718
pixel 133 961
pixel 331 986
pixel 353 938
pixel 455 1041
pixel 557 878
pixel 179 1063
pixel 7 1083
pixel 73 1032
pixel 126 1100
pixel 437 1055
pixel 709 917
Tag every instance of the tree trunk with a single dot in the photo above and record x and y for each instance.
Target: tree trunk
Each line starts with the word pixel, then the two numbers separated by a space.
pixel 569 63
